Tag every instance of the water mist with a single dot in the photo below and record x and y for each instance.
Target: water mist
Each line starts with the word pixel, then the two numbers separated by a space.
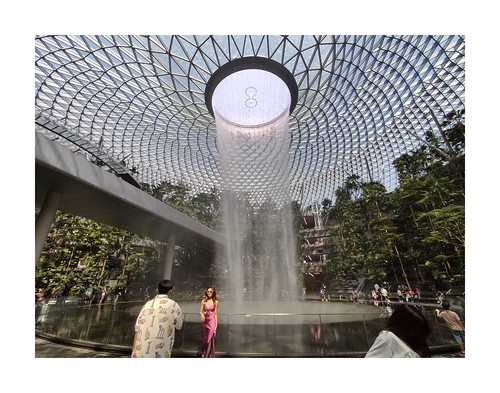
pixel 251 108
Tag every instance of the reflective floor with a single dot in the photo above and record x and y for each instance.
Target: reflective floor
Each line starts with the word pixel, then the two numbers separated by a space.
pixel 48 349
pixel 70 332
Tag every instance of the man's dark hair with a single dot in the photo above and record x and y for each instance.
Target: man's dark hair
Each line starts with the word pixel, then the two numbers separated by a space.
pixel 445 304
pixel 164 286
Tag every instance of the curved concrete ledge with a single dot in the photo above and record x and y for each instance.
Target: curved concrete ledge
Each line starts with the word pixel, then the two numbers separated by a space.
pixel 111 330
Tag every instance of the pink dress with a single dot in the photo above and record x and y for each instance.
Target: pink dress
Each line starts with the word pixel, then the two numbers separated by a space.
pixel 207 332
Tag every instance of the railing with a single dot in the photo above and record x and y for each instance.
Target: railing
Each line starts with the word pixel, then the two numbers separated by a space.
pixel 361 285
pixel 238 335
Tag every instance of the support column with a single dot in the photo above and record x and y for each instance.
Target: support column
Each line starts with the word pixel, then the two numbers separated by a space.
pixel 169 261
pixel 44 221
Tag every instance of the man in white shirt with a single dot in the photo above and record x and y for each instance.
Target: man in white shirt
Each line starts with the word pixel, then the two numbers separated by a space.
pixel 156 324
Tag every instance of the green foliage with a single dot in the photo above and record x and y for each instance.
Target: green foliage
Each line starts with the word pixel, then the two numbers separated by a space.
pixel 79 251
pixel 204 207
pixel 417 231
pixel 430 203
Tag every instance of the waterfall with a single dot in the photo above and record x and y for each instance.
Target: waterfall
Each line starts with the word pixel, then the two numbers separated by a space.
pixel 251 113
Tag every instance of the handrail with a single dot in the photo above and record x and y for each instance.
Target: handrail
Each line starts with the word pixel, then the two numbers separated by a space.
pixel 360 286
pixel 238 335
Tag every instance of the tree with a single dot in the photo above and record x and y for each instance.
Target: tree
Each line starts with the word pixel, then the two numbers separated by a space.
pixel 417 231
pixel 430 201
pixel 79 251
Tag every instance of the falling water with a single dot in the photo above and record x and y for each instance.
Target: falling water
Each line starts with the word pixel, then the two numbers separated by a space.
pixel 257 216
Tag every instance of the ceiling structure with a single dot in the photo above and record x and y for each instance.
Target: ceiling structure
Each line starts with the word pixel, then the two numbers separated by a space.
pixel 136 104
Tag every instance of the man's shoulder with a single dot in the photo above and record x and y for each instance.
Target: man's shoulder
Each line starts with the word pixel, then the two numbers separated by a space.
pixel 175 303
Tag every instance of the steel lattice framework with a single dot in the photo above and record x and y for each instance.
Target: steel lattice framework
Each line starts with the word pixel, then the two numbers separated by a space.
pixel 139 102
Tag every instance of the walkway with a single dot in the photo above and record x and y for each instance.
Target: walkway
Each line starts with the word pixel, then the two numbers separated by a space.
pixel 48 349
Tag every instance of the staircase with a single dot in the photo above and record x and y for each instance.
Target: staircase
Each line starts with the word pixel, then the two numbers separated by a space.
pixel 342 289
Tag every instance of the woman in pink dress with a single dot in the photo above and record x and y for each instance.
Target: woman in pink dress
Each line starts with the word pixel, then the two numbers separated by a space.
pixel 208 313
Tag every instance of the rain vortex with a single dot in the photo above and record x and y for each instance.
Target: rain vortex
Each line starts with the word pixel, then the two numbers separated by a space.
pixel 260 249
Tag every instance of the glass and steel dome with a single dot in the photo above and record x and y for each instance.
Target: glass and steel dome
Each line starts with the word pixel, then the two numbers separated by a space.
pixel 138 103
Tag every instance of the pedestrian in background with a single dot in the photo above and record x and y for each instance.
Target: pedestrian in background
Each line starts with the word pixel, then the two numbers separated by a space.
pixel 102 296
pixel 39 296
pixel 454 323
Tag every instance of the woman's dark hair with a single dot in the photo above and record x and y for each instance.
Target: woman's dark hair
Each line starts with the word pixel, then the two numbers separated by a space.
pixel 410 325
pixel 214 294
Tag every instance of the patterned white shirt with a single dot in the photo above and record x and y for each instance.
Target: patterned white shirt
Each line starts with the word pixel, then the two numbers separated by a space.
pixel 155 327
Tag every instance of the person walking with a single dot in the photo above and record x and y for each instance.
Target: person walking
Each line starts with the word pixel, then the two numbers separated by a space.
pixel 39 302
pixel 39 296
pixel 404 336
pixel 156 324
pixel 322 292
pixel 439 297
pixel 384 296
pixel 454 323
pixel 103 295
pixel 208 313
pixel 410 295
pixel 374 297
pixel 400 294
pixel 89 295
pixel 63 295
pixel 416 295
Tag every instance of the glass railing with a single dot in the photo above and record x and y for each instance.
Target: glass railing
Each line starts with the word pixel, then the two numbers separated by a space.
pixel 238 335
